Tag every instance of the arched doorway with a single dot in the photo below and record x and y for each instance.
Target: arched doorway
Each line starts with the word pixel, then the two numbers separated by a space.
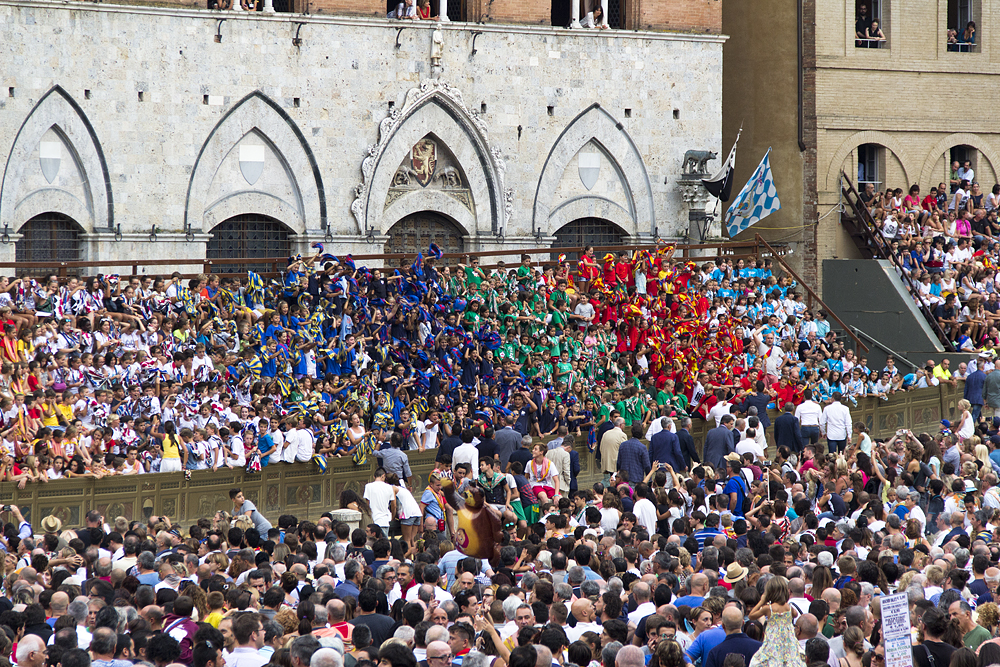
pixel 49 237
pixel 417 231
pixel 248 236
pixel 583 232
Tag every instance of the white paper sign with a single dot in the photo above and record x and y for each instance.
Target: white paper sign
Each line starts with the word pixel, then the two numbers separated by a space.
pixel 896 631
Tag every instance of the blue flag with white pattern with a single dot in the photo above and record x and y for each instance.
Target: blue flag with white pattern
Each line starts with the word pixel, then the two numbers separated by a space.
pixel 757 200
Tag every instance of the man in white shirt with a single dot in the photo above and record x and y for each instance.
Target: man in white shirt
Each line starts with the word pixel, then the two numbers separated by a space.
pixel 291 446
pixel 304 445
pixel 914 511
pixel 723 407
pixel 237 450
pixel 380 498
pixel 809 413
pixel 643 598
pixel 645 510
pixel 428 431
pixel 749 445
pixel 836 424
pixel 774 356
pixel 966 172
pixel 585 615
pixel 465 453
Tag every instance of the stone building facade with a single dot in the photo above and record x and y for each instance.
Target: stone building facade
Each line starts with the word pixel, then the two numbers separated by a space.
pixel 158 132
pixel 895 113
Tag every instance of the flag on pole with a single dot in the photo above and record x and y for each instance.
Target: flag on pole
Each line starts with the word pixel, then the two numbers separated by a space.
pixel 757 200
pixel 721 185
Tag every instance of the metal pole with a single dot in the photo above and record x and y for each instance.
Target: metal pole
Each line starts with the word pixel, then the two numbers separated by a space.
pixel 814 295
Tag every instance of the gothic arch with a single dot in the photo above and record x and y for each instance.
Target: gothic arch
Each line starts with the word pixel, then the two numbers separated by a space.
pixel 597 125
pixel 958 139
pixel 438 107
pixel 89 200
pixel 866 137
pixel 260 119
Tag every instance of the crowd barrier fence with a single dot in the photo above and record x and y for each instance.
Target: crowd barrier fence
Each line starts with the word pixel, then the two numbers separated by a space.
pixel 302 490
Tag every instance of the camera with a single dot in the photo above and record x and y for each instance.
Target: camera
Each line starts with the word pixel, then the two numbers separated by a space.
pixel 767 464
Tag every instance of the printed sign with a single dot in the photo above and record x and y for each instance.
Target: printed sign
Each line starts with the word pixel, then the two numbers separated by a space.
pixel 896 630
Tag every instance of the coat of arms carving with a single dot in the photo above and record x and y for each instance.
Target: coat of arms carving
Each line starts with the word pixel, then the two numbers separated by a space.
pixel 423 159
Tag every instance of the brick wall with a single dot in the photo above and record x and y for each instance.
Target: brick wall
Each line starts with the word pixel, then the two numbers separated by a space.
pixel 376 8
pixel 675 15
pixel 810 260
pixel 536 12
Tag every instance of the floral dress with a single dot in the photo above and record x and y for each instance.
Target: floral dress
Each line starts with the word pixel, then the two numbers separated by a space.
pixel 780 646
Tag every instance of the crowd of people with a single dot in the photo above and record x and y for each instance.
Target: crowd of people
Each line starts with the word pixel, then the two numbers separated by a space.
pixel 946 243
pixel 119 376
pixel 740 557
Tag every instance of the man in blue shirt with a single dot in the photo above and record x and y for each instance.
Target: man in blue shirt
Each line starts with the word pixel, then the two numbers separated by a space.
pixel 353 574
pixel 699 589
pixel 709 532
pixel 633 457
pixel 736 487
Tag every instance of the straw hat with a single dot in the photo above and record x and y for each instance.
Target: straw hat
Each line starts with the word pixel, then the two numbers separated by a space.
pixel 734 573
pixel 51 524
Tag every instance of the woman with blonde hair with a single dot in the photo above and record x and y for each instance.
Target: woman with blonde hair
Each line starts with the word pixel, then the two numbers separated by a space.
pixel 989 616
pixel 217 563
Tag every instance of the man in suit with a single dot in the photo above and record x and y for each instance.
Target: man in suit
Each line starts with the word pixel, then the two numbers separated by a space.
pixel 688 449
pixel 787 431
pixel 719 442
pixel 665 447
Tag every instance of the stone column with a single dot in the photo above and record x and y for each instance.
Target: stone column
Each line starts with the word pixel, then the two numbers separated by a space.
pixel 604 13
pixel 575 24
pixel 443 11
pixel 269 6
pixel 701 205
pixel 351 517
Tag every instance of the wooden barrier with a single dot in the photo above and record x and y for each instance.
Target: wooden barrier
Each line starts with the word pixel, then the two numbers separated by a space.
pixel 700 252
pixel 300 488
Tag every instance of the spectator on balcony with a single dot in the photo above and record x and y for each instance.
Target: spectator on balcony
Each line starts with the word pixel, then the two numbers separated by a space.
pixel 424 9
pixel 405 10
pixel 875 36
pixel 969 37
pixel 861 26
pixel 955 179
pixel 966 173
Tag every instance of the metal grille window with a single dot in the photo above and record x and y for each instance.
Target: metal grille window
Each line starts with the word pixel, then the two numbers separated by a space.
pixel 456 9
pixel 49 237
pixel 587 231
pixel 417 231
pixel 616 13
pixel 248 236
